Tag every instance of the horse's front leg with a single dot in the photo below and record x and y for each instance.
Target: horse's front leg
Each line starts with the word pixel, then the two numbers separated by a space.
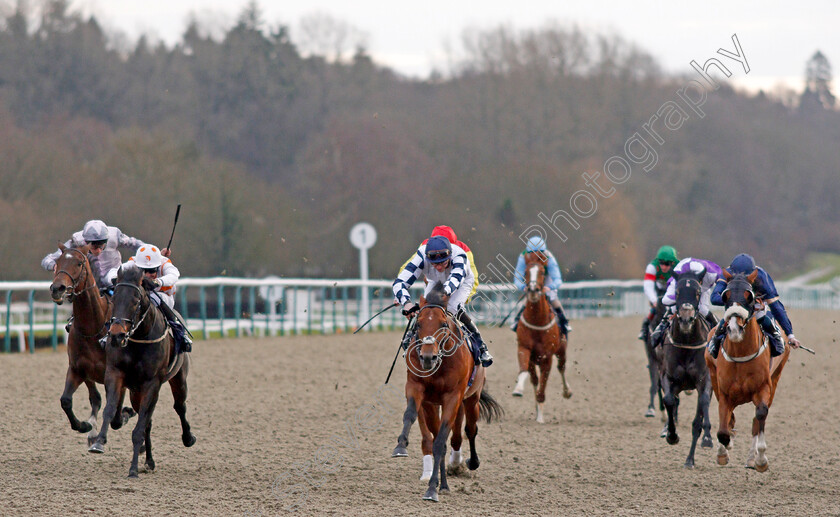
pixel 706 443
pixel 671 403
pixel 429 423
pixel 95 404
pixel 71 384
pixel 113 393
pixel 725 410
pixel 148 398
pixel 409 416
pixel 762 408
pixel 701 419
pixel 523 356
pixel 455 458
pixel 561 367
pixel 545 370
pixel 449 413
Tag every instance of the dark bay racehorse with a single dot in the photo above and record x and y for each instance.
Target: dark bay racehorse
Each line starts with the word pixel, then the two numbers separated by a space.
pixel 653 364
pixel 141 356
pixel 742 372
pixel 684 366
pixel 74 282
pixel 444 388
pixel 538 337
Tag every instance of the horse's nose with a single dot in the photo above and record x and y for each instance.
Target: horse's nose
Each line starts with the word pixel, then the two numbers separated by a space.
pixel 117 338
pixel 427 359
pixel 57 292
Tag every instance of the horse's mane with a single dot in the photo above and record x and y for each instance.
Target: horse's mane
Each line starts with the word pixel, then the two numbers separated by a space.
pixel 437 296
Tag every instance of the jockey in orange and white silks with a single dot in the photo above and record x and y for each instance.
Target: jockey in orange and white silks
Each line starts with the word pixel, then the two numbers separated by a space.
pixel 104 254
pixel 440 261
pixel 163 273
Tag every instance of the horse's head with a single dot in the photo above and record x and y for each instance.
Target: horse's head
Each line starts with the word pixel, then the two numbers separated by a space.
pixel 739 300
pixel 433 328
pixel 131 304
pixel 687 301
pixel 71 273
pixel 536 263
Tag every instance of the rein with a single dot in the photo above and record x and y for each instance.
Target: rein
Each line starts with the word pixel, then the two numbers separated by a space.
pixel 134 325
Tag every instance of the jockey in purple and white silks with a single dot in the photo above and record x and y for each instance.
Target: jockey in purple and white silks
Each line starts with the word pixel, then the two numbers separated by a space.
pixel 104 242
pixel 440 261
pixel 554 279
pixel 707 273
pixel 766 297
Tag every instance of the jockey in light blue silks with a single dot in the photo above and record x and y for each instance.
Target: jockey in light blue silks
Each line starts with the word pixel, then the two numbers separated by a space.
pixel 766 297
pixel 553 282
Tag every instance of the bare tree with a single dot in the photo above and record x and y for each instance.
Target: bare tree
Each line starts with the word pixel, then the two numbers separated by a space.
pixel 320 34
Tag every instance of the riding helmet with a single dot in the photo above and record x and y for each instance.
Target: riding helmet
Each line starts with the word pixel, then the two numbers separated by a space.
pixel 667 254
pixel 743 263
pixel 95 230
pixel 147 257
pixel 535 243
pixel 438 249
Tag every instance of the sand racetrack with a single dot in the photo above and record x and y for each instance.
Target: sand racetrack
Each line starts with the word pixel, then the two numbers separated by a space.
pixel 262 409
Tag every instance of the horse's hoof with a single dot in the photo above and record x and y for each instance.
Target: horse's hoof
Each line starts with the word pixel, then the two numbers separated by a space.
pixel 650 413
pixel 455 469
pixel 688 392
pixel 150 465
pixel 706 443
pixel 189 440
pixel 127 412
pixel 473 463
pixel 517 394
pixel 567 394
pixel 762 468
pixel 132 474
pixel 431 495
pixel 688 465
pixel 723 460
pixel 672 440
pixel 443 490
pixel 84 427
pixel 664 432
pixel 96 448
pixel 399 452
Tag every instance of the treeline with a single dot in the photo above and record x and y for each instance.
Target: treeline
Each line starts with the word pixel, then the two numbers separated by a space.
pixel 275 155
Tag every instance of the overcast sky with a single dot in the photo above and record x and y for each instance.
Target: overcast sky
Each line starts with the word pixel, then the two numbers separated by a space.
pixel 778 37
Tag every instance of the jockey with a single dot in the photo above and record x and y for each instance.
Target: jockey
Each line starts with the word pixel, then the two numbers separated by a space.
pixel 158 268
pixel 553 282
pixel 707 273
pixel 766 296
pixel 440 261
pixel 449 233
pixel 657 274
pixel 104 255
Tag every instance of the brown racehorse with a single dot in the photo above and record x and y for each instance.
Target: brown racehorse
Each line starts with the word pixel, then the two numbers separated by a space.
pixel 74 282
pixel 538 337
pixel 742 372
pixel 141 356
pixel 441 374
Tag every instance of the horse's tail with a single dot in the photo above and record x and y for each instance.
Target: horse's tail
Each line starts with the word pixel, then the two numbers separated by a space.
pixel 488 408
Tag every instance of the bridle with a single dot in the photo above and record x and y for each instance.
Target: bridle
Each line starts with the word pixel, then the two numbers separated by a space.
pixel 133 322
pixel 750 308
pixel 71 296
pixel 444 332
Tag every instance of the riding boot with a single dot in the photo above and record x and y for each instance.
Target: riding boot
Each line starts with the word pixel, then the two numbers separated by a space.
pixel 562 322
pixel 410 332
pixel 714 343
pixel 179 330
pixel 777 346
pixel 644 334
pixel 660 331
pixel 69 324
pixel 712 319
pixel 484 355
pixel 516 319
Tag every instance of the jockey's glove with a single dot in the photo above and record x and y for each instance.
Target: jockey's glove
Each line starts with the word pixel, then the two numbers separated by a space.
pixel 447 290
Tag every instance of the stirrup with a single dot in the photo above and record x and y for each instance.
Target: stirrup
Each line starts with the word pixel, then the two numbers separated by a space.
pixel 485 358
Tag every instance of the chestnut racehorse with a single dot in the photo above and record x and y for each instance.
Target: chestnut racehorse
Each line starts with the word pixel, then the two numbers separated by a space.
pixel 74 282
pixel 441 374
pixel 538 337
pixel 742 371
pixel 141 356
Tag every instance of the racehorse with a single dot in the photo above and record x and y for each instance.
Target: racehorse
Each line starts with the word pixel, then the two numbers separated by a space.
pixel 683 366
pixel 653 364
pixel 538 336
pixel 141 356
pixel 442 373
pixel 74 282
pixel 742 371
